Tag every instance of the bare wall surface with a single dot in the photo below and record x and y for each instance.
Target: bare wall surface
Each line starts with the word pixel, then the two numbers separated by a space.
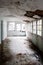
pixel 0 31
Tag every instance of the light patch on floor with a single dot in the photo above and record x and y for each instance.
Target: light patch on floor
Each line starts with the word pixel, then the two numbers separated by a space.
pixel 17 45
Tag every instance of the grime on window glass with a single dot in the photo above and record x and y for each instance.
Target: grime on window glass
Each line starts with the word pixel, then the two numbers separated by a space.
pixel 39 27
pixel 34 27
pixel 23 27
pixel 11 26
pixel 18 27
pixel 30 27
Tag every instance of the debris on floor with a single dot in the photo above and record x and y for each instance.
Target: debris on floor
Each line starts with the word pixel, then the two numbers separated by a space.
pixel 19 58
pixel 23 59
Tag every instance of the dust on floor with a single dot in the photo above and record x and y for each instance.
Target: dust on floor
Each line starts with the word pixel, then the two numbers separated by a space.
pixel 16 57
pixel 23 59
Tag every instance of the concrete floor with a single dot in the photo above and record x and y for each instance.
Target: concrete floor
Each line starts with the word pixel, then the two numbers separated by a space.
pixel 20 52
pixel 19 45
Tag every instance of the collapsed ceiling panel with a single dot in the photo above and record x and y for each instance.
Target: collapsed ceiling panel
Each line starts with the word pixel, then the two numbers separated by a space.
pixel 38 13
pixel 20 7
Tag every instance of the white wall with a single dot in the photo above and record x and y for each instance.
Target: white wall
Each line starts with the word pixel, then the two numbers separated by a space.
pixel 4 29
pixel 0 32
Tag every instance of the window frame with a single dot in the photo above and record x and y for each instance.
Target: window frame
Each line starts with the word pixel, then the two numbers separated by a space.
pixel 24 32
pixel 39 31
pixel 18 27
pixel 8 26
pixel 34 27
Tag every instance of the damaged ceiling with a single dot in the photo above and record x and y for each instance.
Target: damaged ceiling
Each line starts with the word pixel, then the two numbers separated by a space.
pixel 26 8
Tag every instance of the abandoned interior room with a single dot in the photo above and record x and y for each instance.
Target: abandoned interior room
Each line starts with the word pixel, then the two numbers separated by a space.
pixel 21 32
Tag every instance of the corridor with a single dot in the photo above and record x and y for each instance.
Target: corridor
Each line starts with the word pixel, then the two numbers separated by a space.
pixel 21 32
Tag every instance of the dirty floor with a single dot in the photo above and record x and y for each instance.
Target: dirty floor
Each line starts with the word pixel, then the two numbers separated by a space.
pixel 18 52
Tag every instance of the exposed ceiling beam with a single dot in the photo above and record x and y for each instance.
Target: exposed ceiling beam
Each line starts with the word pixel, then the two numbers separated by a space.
pixel 32 13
